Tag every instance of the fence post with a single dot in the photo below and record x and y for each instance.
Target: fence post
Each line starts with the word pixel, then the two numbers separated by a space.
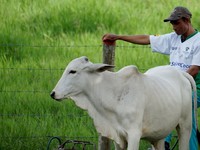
pixel 108 58
pixel 109 53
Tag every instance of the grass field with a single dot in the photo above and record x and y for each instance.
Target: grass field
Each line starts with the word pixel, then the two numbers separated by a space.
pixel 37 40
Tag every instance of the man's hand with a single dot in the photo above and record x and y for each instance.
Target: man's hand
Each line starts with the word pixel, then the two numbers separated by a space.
pixel 193 70
pixel 110 37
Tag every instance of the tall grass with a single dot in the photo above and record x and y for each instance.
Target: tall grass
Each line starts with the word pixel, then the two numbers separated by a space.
pixel 37 40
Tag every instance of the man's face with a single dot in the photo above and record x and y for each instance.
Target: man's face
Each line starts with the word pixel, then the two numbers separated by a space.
pixel 180 26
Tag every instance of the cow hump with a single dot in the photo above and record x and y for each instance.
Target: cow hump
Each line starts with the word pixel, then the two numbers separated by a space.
pixel 128 71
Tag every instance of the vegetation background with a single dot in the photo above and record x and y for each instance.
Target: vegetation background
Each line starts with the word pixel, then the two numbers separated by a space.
pixel 37 40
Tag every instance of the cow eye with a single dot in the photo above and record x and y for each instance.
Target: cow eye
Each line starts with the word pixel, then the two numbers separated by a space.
pixel 86 59
pixel 72 72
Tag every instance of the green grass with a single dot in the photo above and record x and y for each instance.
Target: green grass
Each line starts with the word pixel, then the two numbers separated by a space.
pixel 37 40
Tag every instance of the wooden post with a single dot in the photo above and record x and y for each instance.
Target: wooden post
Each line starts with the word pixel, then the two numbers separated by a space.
pixel 109 53
pixel 108 58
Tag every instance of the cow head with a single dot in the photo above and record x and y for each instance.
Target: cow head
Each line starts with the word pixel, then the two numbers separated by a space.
pixel 75 77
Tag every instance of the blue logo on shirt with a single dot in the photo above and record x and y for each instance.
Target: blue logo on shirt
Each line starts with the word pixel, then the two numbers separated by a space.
pixel 181 65
pixel 174 48
pixel 187 48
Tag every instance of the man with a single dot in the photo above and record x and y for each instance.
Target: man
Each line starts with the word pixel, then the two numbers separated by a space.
pixel 183 46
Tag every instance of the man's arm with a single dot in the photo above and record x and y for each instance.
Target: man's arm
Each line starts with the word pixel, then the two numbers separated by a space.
pixel 136 39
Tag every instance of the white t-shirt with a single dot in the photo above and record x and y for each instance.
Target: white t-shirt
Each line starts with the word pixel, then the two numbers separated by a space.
pixel 182 54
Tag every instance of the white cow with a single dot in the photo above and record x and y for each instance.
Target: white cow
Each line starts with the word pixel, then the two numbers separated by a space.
pixel 127 106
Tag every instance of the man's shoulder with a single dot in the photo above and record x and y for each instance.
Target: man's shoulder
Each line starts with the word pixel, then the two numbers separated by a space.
pixel 196 37
pixel 170 36
pixel 198 34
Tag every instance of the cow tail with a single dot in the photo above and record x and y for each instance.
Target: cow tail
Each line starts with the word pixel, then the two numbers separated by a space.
pixel 193 84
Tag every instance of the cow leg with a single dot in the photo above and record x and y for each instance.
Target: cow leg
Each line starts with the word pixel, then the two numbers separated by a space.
pixel 117 147
pixel 184 137
pixel 159 145
pixel 152 147
pixel 133 140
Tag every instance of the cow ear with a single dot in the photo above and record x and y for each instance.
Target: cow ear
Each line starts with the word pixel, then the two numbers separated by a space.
pixel 105 67
pixel 99 67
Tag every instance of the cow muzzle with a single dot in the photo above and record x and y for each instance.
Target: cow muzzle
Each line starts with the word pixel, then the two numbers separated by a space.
pixel 53 93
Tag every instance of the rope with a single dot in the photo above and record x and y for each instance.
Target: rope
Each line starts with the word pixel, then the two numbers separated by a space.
pixel 55 137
